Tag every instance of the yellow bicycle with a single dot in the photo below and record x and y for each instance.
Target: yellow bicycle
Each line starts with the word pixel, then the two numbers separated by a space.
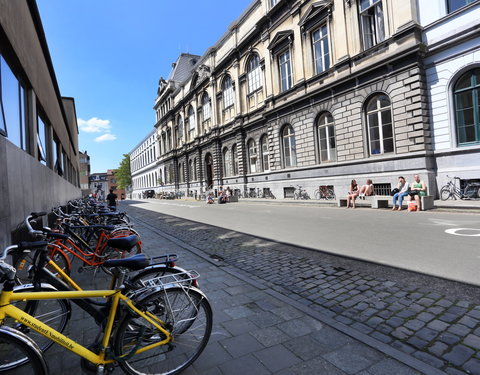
pixel 160 328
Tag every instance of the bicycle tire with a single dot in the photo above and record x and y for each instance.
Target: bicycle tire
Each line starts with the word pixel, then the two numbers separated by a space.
pixel 445 193
pixel 175 306
pixel 317 194
pixel 23 262
pixel 330 195
pixel 53 312
pixel 470 191
pixel 17 349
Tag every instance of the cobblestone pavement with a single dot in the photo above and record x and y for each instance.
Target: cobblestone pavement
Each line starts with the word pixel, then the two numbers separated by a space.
pixel 414 321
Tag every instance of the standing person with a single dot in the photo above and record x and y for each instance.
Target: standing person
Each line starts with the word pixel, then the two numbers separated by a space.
pixel 402 193
pixel 418 189
pixel 352 193
pixel 112 199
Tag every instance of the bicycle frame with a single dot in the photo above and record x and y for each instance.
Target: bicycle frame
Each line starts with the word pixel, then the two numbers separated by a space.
pixel 80 254
pixel 6 309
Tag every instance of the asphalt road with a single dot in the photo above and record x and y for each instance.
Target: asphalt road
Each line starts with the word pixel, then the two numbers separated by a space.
pixel 443 244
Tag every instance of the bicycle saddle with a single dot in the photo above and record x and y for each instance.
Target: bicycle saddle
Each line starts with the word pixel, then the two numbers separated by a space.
pixel 123 243
pixel 135 263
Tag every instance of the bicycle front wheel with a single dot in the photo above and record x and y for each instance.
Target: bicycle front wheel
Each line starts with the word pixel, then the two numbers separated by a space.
pixel 445 193
pixel 187 315
pixel 330 195
pixel 53 312
pixel 16 349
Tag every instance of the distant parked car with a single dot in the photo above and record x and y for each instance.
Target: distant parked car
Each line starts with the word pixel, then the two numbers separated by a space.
pixel 149 194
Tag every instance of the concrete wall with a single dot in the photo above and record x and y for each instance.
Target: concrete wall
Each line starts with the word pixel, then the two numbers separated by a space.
pixel 27 186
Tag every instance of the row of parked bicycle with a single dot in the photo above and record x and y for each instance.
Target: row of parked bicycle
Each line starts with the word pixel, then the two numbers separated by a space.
pixel 153 318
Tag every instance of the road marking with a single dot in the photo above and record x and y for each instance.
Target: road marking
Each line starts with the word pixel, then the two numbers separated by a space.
pixel 455 230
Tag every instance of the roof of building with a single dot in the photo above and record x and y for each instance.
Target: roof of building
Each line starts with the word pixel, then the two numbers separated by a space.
pixel 182 68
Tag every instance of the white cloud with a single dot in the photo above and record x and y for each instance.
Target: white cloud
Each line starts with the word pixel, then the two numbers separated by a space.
pixel 94 125
pixel 105 137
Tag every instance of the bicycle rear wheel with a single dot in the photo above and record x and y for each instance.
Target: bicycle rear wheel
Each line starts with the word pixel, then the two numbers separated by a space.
pixel 188 317
pixel 445 193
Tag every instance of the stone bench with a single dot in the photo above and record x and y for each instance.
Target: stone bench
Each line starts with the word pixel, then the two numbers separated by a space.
pixel 383 201
pixel 359 202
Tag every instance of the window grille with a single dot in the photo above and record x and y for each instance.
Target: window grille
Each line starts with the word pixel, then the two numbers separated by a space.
pixel 382 189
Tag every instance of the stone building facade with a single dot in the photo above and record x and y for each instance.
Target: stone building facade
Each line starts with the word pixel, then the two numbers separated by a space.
pixel 452 68
pixel 303 93
pixel 38 127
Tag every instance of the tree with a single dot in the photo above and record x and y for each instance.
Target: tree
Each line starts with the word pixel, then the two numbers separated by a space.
pixel 123 175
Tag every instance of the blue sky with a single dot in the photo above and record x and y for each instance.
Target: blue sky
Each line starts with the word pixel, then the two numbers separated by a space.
pixel 110 54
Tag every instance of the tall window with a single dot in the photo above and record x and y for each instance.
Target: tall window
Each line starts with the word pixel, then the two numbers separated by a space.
pixel 192 123
pixel 273 3
pixel 227 162
pixel 285 67
pixel 12 107
pixel 372 23
pixel 252 155
pixel 289 147
pixel 181 172
pixel 190 170
pixel 453 5
pixel 180 129
pixel 379 121
pixel 227 88
pixel 265 153
pixel 254 73
pixel 321 54
pixel 467 108
pixel 195 169
pixel 234 160
pixel 41 141
pixel 326 138
pixel 206 108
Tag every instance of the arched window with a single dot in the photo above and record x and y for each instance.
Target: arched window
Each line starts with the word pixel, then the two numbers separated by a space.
pixel 379 122
pixel 252 156
pixel 289 147
pixel 206 108
pixel 467 107
pixel 192 124
pixel 254 73
pixel 265 153
pixel 234 160
pixel 227 88
pixel 227 162
pixel 326 138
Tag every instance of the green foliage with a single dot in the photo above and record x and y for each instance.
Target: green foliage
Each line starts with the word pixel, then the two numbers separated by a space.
pixel 123 175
